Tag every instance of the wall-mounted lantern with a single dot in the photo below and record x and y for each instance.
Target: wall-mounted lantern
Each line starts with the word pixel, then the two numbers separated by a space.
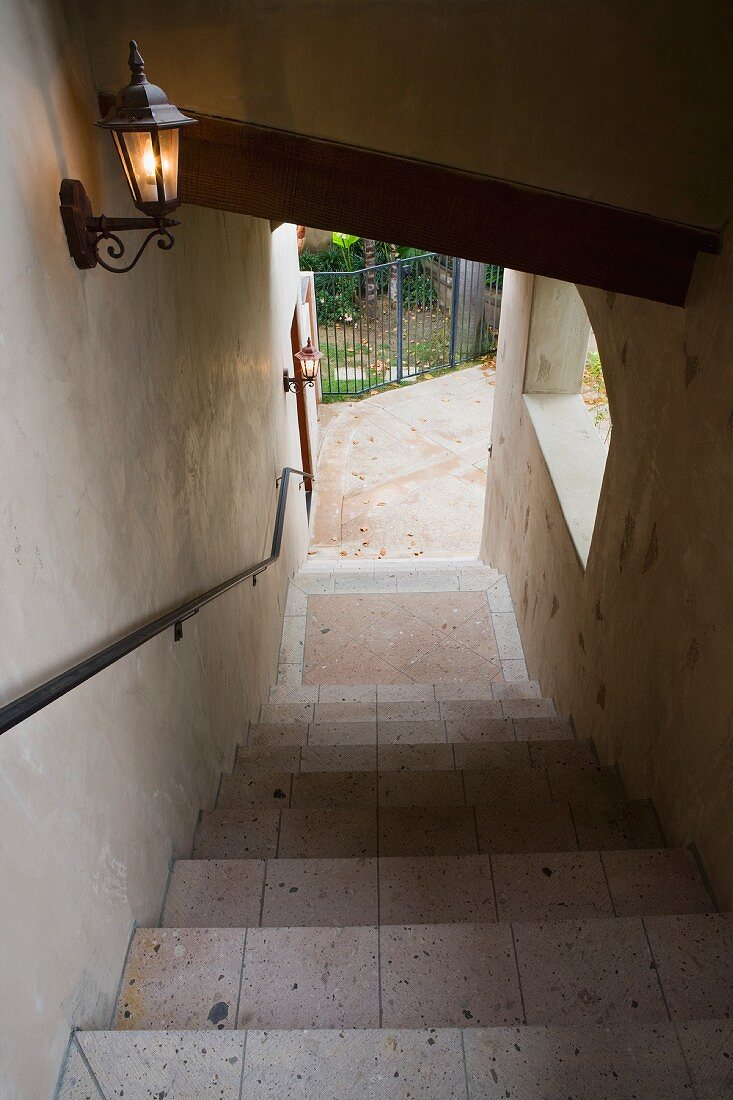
pixel 310 360
pixel 145 129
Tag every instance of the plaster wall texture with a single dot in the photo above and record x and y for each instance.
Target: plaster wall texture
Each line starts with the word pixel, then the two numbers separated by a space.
pixel 637 647
pixel 621 102
pixel 143 424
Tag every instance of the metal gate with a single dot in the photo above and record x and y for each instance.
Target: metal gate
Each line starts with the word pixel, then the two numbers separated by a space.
pixel 393 322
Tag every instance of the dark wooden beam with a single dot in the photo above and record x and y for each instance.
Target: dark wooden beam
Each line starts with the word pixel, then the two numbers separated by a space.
pixel 282 176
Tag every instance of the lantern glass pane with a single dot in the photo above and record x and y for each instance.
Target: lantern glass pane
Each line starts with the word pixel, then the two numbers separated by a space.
pixel 139 163
pixel 169 162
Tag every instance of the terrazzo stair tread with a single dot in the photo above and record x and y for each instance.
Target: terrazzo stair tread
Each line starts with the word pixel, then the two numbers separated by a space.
pixel 314 693
pixel 588 783
pixel 408 757
pixel 282 714
pixel 432 889
pixel 656 1062
pixel 295 734
pixel 438 830
pixel 623 970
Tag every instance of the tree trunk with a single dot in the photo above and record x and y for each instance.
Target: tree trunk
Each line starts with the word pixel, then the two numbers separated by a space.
pixel 393 277
pixel 370 280
pixel 471 285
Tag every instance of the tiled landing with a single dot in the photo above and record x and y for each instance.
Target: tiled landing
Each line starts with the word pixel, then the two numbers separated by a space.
pixel 450 625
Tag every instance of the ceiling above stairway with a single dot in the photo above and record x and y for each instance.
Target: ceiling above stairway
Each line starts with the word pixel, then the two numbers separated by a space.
pixel 506 132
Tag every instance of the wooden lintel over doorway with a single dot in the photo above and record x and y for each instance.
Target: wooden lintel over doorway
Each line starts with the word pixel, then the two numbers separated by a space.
pixel 287 177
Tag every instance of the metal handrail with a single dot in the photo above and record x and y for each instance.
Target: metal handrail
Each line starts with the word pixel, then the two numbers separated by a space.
pixel 20 709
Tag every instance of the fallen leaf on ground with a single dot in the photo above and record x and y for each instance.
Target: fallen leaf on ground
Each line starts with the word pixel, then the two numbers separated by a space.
pixel 380 504
pixel 344 553
pixel 383 552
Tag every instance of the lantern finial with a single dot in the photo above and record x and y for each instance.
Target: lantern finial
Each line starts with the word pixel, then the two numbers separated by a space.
pixel 137 65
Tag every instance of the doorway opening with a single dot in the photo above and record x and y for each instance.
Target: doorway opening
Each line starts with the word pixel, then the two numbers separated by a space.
pixel 406 395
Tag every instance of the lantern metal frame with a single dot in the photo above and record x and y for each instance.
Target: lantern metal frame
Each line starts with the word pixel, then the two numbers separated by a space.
pixel 307 355
pixel 140 108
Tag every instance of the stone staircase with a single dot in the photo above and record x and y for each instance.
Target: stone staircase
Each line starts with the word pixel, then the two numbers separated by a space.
pixel 414 890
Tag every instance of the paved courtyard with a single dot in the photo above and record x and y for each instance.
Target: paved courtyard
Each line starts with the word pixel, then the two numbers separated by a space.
pixel 402 474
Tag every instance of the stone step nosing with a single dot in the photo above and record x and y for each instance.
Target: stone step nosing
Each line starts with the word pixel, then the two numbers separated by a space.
pixel 388 1063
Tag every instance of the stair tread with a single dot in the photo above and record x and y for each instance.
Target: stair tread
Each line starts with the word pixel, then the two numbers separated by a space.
pixel 591 970
pixel 347 693
pixel 362 731
pixel 408 711
pixel 425 889
pixel 564 782
pixel 256 760
pixel 658 1062
pixel 445 830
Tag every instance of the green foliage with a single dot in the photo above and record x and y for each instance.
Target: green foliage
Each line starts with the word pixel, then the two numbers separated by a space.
pixel 330 259
pixel 495 277
pixel 345 241
pixel 593 369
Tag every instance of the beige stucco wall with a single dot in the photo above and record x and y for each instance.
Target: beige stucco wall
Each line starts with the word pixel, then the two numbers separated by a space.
pixel 143 422
pixel 615 100
pixel 638 647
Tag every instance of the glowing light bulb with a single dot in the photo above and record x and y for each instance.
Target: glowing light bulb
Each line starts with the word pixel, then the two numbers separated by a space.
pixel 149 165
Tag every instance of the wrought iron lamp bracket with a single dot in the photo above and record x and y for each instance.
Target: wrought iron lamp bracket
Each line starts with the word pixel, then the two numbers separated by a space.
pixel 85 233
pixel 292 385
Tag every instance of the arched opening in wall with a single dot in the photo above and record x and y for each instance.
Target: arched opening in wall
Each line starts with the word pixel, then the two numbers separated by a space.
pixel 594 391
pixel 566 400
